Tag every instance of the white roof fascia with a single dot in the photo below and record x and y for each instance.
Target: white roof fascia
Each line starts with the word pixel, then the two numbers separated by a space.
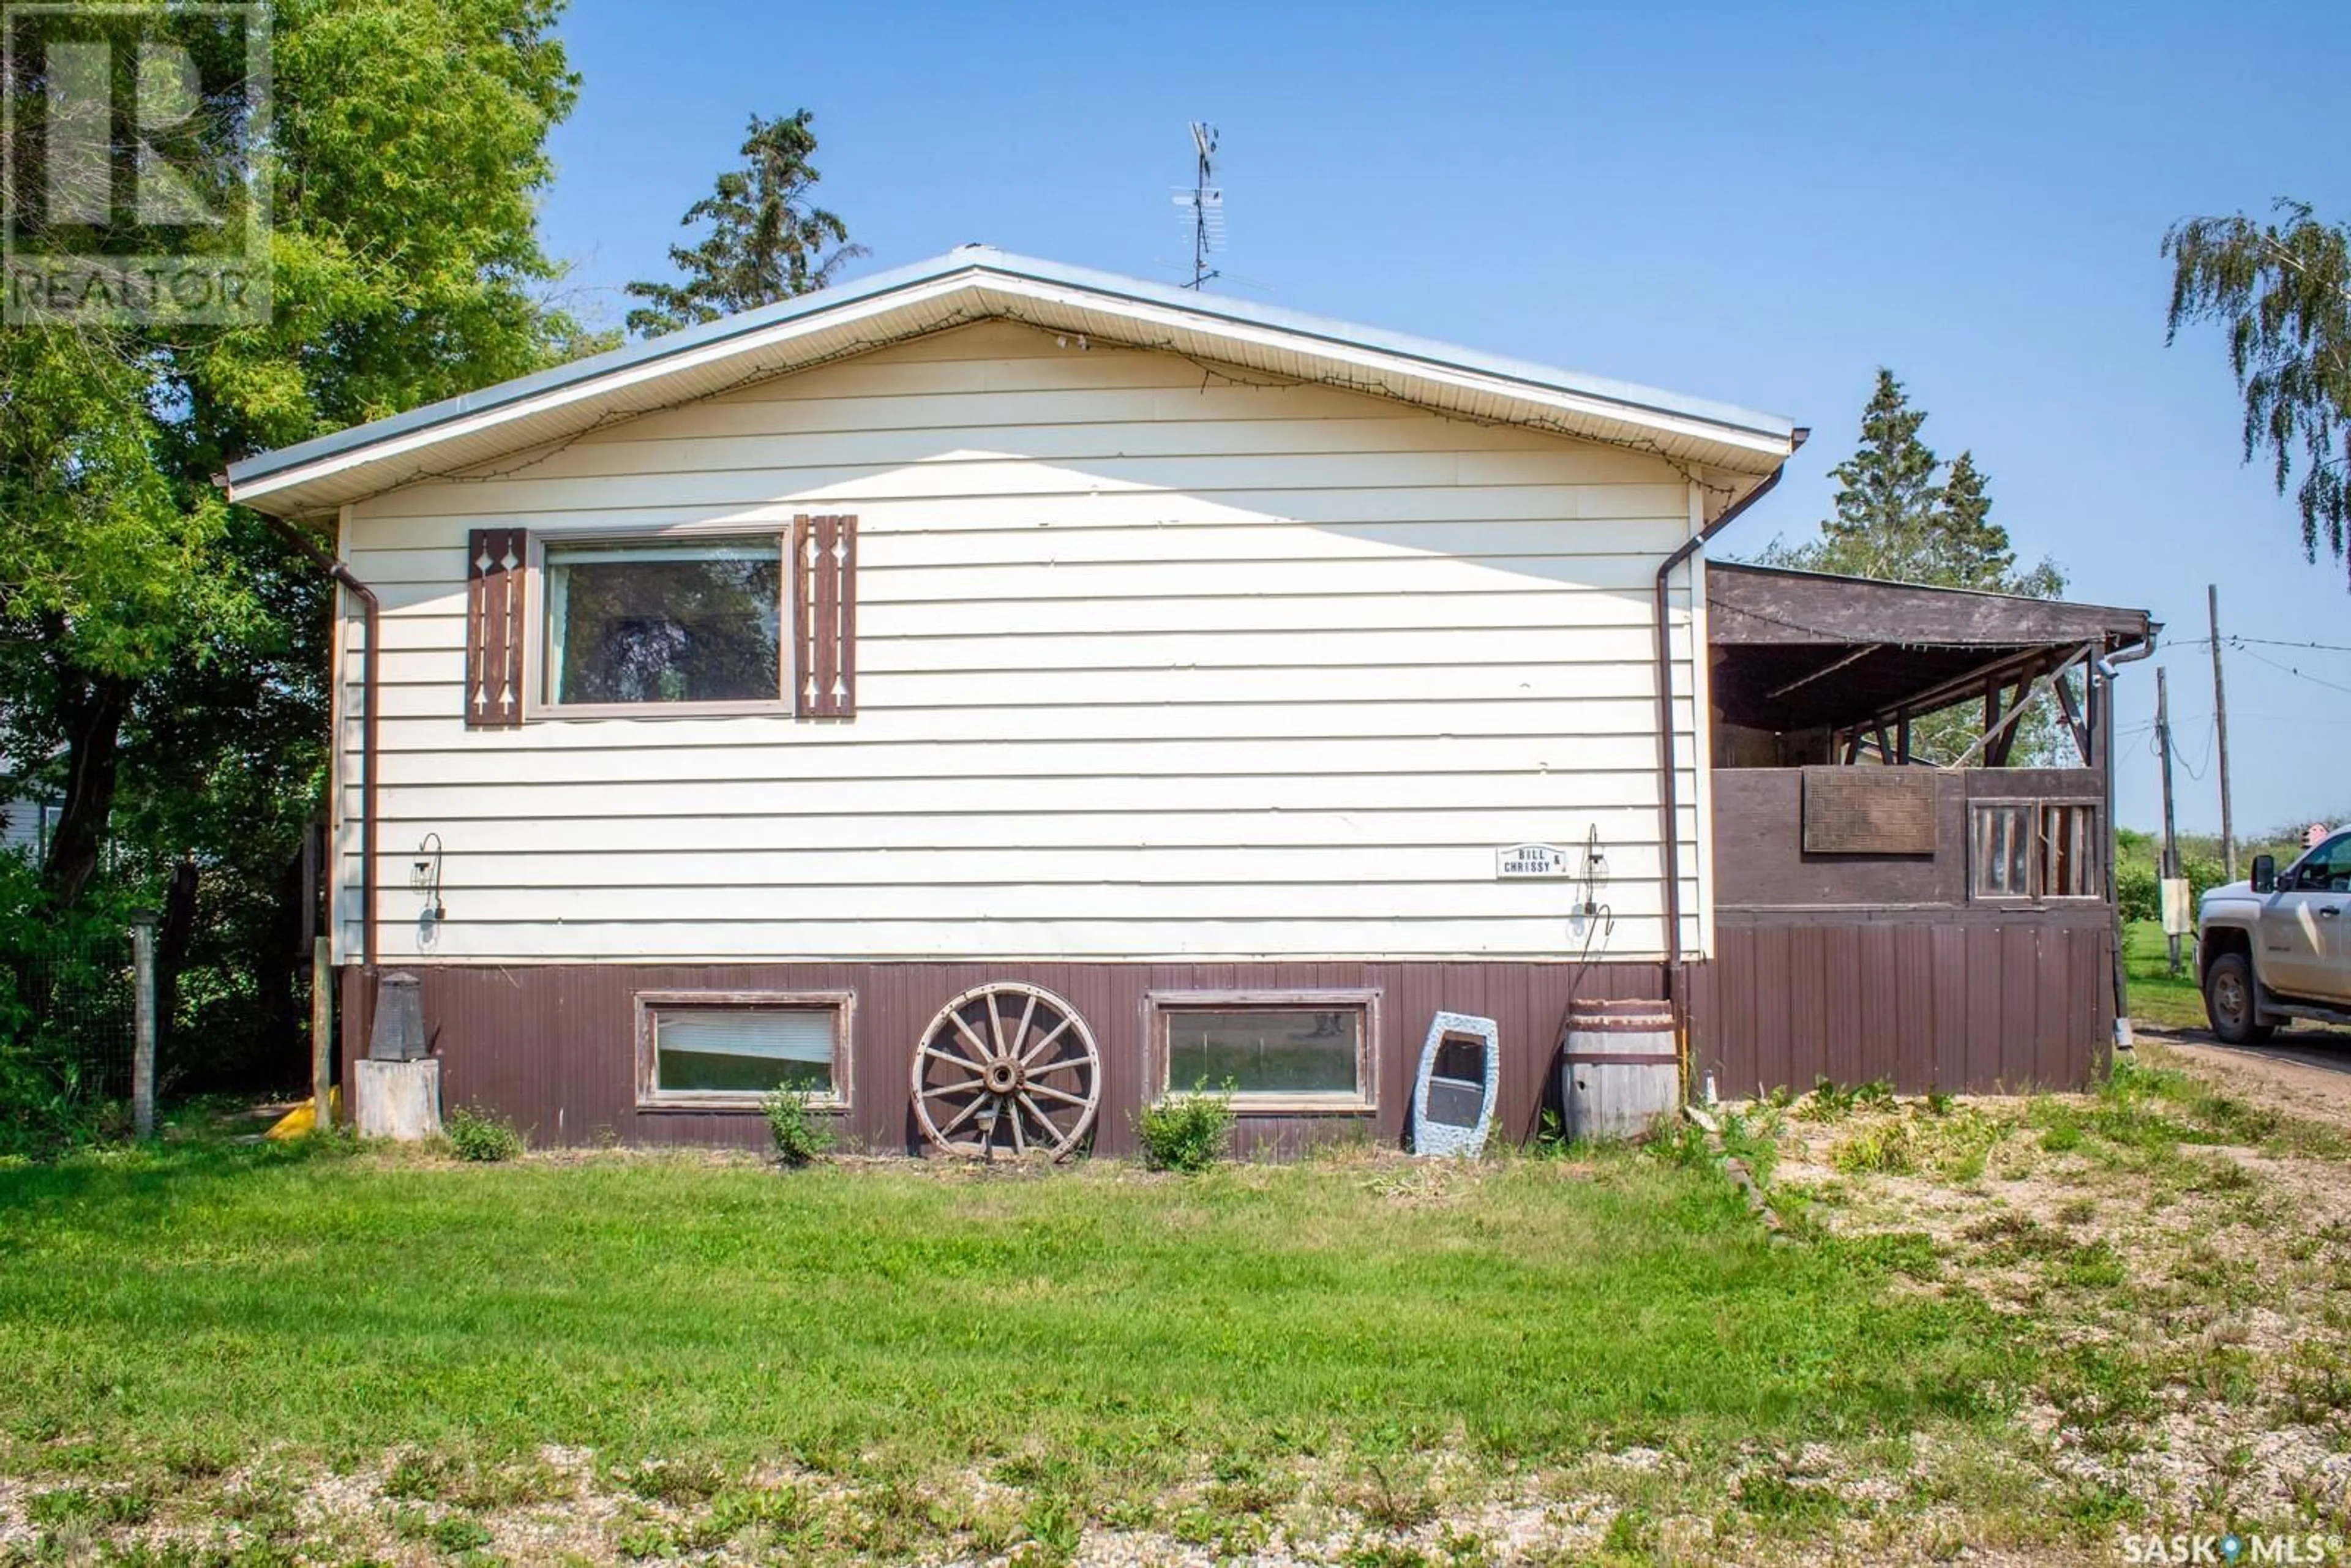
pixel 600 387
pixel 973 286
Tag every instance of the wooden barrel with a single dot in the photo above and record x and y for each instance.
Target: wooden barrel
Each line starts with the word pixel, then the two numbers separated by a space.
pixel 1620 1070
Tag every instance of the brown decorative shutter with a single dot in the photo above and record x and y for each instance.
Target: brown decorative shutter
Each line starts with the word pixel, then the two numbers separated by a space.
pixel 825 607
pixel 493 627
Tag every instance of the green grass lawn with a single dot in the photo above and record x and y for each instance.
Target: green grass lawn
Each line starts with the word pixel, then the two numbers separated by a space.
pixel 222 1301
pixel 254 1354
pixel 2155 996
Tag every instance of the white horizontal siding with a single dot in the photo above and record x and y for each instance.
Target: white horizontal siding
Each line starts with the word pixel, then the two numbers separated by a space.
pixel 527 799
pixel 841 756
pixel 1149 664
pixel 1333 506
pixel 979 474
pixel 620 838
pixel 1436 719
pixel 1359 558
pixel 20 826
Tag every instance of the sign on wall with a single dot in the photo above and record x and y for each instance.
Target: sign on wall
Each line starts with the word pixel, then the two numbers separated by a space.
pixel 1531 860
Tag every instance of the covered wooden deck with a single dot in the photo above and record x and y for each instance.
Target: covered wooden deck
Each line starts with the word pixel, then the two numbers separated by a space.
pixel 1941 925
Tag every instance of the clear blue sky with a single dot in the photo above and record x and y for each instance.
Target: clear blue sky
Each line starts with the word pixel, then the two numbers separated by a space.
pixel 1758 204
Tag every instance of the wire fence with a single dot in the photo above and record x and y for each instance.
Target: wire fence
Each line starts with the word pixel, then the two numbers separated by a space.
pixel 70 1000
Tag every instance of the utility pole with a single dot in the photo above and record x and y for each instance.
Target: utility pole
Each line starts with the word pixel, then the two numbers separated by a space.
pixel 2170 836
pixel 2220 735
pixel 142 1024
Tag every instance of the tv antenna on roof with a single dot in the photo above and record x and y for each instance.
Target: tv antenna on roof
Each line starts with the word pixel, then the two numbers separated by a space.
pixel 1202 208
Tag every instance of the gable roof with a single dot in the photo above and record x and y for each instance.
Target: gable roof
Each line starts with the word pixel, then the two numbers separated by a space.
pixel 977 283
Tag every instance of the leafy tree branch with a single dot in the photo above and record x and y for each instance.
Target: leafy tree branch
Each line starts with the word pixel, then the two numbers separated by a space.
pixel 2282 293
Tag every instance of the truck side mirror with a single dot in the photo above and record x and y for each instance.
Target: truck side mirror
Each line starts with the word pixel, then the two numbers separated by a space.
pixel 2264 873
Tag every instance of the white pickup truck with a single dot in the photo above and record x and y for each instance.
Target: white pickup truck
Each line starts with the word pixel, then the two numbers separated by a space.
pixel 2278 947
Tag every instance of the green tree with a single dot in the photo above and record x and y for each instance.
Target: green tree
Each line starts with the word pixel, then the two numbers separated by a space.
pixel 767 240
pixel 1902 515
pixel 162 653
pixel 2282 290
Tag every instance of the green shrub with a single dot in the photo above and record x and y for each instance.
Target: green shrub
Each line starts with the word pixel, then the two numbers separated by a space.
pixel 1187 1132
pixel 65 1014
pixel 2135 891
pixel 475 1135
pixel 800 1134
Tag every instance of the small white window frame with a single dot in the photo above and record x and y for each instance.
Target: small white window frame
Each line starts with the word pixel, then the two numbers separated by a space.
pixel 651 1096
pixel 539 654
pixel 1158 1007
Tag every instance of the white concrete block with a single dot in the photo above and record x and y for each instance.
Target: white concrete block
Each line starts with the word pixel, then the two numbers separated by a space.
pixel 397 1099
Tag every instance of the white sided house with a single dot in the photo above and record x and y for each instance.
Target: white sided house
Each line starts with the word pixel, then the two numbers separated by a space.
pixel 720 713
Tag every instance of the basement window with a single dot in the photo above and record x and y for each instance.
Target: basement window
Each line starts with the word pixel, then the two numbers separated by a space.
pixel 1302 1052
pixel 728 1050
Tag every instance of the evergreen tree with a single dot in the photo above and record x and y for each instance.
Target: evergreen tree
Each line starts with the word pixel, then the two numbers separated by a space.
pixel 2283 292
pixel 1902 515
pixel 1886 498
pixel 767 240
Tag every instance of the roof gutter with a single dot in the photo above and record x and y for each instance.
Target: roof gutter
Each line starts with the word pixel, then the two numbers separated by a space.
pixel 371 672
pixel 2101 671
pixel 1669 783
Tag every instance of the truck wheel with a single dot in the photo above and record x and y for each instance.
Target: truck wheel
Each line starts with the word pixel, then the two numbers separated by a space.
pixel 2228 1001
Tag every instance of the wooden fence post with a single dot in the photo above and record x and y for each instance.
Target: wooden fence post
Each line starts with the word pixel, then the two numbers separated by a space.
pixel 142 1024
pixel 322 1029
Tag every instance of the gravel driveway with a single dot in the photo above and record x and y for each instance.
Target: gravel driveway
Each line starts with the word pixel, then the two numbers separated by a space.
pixel 2305 1068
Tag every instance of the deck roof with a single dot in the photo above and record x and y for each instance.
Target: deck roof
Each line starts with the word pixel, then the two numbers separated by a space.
pixel 1799 650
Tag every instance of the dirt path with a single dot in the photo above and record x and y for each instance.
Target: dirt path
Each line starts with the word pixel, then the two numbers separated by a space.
pixel 2304 1069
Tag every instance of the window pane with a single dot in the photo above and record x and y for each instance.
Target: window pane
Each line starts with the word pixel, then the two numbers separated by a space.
pixel 2068 851
pixel 2003 852
pixel 746 1050
pixel 2328 868
pixel 677 621
pixel 1283 1051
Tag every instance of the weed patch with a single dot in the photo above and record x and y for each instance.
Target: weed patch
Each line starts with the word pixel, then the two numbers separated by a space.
pixel 478 1135
pixel 1186 1131
pixel 801 1135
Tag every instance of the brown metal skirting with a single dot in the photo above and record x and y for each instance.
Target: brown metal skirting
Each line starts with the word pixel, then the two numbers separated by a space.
pixel 554 1047
pixel 1924 1004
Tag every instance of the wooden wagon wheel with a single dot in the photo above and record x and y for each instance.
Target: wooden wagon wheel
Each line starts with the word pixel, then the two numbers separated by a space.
pixel 1007 1066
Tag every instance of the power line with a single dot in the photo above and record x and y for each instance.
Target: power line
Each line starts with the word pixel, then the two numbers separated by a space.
pixel 2289 669
pixel 2201 771
pixel 2234 641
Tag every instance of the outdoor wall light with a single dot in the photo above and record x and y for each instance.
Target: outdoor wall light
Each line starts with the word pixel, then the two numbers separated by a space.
pixel 424 876
pixel 1596 871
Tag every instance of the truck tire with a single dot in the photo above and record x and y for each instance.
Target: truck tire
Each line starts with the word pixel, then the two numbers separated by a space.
pixel 2228 1001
